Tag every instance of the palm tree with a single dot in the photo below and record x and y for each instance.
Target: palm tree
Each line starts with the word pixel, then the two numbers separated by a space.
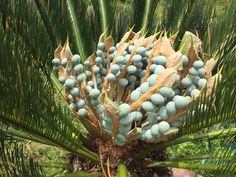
pixel 32 104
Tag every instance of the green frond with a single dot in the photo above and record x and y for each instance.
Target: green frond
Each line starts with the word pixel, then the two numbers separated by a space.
pixel 14 162
pixel 83 174
pixel 34 109
pixel 220 163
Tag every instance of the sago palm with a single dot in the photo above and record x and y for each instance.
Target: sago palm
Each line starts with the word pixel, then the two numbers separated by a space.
pixel 95 79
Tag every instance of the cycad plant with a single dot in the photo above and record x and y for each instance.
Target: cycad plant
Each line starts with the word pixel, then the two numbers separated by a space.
pixel 115 83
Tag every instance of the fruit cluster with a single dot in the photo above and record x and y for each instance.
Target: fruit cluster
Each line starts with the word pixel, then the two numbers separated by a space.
pixel 138 89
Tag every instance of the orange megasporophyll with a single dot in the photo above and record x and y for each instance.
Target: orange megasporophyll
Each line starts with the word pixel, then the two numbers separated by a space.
pixel 139 89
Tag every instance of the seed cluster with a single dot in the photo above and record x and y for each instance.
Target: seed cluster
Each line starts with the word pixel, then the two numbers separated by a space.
pixel 131 88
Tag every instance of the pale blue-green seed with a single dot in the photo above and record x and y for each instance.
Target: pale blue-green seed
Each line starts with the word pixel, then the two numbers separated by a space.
pixel 86 63
pixel 160 60
pixel 198 64
pixel 137 115
pixel 125 128
pixel 126 120
pixel 136 58
pixel 195 80
pixel 163 127
pixel 100 53
pixel 108 119
pixel 98 60
pixel 148 135
pixel 101 46
pixel 119 143
pixel 74 92
pixel 121 137
pixel 56 62
pixel 139 65
pixel 142 73
pixel 72 106
pixel 157 99
pixel 94 93
pixel 177 78
pixel 120 60
pixel 80 104
pixel 115 68
pixel 106 125
pixel 78 68
pixel 190 88
pixel 64 61
pixel 111 77
pixel 152 79
pixel 145 87
pixel 131 69
pixel 153 67
pixel 99 80
pixel 88 74
pixel 141 50
pixel 180 102
pixel 82 112
pixel 56 68
pixel 124 53
pixel 166 91
pixel 103 71
pixel 147 53
pixel 62 79
pixel 112 49
pixel 127 56
pixel 185 60
pixel 124 109
pixel 99 109
pixel 123 82
pixel 201 72
pixel 155 130
pixel 202 83
pixel 95 101
pixel 193 71
pixel 90 83
pixel 76 59
pixel 170 108
pixel 96 69
pixel 147 106
pixel 81 77
pixel 69 84
pixel 130 48
pixel 163 113
pixel 152 118
pixel 135 95
pixel 194 93
pixel 112 56
pixel 186 82
pixel 159 69
pixel 132 79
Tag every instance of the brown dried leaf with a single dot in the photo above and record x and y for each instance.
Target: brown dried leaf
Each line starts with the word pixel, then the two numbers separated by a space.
pixel 175 61
pixel 210 64
pixel 57 52
pixel 109 43
pixel 113 111
pixel 192 56
pixel 163 46
pixel 166 78
pixel 101 38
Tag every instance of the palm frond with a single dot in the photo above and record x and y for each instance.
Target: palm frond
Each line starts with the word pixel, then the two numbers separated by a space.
pixel 220 163
pixel 41 116
pixel 14 162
